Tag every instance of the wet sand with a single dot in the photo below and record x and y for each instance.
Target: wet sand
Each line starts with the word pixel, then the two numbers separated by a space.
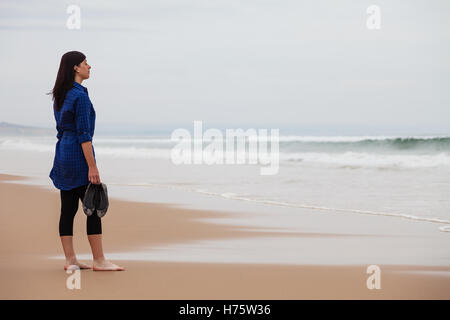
pixel 29 217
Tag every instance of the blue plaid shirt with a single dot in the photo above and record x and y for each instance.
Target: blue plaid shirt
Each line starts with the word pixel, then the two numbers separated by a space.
pixel 75 123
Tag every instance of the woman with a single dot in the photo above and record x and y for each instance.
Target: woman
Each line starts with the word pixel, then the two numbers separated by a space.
pixel 74 165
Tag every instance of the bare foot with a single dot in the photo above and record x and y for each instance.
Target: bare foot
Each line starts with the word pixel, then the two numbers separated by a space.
pixel 71 265
pixel 105 265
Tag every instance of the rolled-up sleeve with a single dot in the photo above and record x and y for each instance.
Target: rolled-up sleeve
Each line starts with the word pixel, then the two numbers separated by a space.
pixel 82 110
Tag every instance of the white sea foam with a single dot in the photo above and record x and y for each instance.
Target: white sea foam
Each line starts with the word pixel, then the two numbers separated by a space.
pixel 285 138
pixel 365 159
pixel 234 196
pixel 353 138
pixel 133 152
pixel 298 205
pixel 134 149
pixel 27 145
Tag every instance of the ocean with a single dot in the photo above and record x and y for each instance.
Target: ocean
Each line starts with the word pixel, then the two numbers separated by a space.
pixel 407 177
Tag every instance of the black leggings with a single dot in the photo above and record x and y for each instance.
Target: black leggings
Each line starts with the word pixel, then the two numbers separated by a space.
pixel 69 207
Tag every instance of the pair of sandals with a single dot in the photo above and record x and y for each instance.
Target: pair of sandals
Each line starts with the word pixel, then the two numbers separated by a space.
pixel 96 199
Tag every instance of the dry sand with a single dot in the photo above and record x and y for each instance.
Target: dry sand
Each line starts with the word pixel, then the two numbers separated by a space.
pixel 29 217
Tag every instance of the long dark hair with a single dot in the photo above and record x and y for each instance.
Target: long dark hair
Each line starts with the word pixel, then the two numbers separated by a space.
pixel 66 76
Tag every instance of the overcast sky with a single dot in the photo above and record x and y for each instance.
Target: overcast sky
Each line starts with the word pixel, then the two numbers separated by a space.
pixel 260 63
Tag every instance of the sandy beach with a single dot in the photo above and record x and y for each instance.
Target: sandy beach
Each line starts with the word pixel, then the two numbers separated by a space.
pixel 29 236
pixel 252 150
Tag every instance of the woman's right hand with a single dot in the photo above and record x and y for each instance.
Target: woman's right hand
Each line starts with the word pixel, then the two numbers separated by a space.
pixel 94 176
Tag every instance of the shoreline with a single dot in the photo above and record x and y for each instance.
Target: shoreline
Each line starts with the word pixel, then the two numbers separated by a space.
pixel 29 231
